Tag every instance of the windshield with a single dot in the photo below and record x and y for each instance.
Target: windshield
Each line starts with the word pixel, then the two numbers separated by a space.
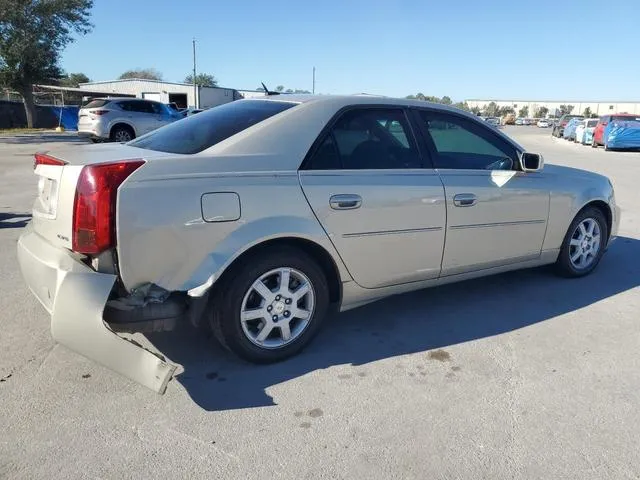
pixel 199 132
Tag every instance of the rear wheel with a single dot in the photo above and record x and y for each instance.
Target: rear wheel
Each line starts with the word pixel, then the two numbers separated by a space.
pixel 584 244
pixel 593 143
pixel 271 305
pixel 122 134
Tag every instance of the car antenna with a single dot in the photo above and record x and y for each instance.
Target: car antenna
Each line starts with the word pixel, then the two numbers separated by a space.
pixel 266 90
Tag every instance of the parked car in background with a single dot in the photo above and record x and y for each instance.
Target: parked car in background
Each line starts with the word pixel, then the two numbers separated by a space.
pixel 584 130
pixel 622 134
pixel 187 112
pixel 495 121
pixel 123 119
pixel 544 123
pixel 559 125
pixel 509 119
pixel 258 217
pixel 569 131
pixel 519 121
pixel 603 121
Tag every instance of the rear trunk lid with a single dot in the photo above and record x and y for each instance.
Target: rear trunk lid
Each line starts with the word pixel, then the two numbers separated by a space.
pixel 58 172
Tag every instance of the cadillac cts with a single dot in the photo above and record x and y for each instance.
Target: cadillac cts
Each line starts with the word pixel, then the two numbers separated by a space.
pixel 257 217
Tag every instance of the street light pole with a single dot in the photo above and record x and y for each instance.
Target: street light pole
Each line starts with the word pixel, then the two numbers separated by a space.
pixel 195 86
pixel 314 81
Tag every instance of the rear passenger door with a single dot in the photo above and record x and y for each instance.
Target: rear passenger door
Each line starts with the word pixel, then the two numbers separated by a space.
pixel 384 212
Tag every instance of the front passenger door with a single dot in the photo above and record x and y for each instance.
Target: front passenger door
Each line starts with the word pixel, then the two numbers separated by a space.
pixel 496 214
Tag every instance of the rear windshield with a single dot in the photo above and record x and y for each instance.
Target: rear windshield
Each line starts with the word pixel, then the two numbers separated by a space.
pixel 592 123
pixel 96 103
pixel 196 133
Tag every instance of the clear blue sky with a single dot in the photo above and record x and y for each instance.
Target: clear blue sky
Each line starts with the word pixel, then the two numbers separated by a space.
pixel 539 49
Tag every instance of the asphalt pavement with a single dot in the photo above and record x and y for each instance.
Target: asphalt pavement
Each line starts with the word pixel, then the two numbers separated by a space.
pixel 517 376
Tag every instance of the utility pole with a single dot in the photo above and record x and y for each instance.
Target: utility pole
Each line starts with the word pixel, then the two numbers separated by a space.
pixel 314 81
pixel 195 86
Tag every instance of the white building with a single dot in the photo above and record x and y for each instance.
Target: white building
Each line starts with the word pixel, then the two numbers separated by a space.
pixel 252 93
pixel 182 94
pixel 553 106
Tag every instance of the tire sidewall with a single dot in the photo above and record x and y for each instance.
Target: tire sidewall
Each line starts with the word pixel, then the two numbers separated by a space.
pixel 564 260
pixel 227 312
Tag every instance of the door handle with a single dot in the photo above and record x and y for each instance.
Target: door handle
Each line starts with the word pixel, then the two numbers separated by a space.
pixel 345 201
pixel 465 200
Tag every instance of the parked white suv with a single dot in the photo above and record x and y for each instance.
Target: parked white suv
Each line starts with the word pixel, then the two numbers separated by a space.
pixel 122 119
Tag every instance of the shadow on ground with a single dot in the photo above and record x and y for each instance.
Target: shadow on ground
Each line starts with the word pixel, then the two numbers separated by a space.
pixel 14 220
pixel 404 324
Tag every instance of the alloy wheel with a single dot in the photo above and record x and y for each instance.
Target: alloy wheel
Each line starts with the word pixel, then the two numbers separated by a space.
pixel 585 244
pixel 277 308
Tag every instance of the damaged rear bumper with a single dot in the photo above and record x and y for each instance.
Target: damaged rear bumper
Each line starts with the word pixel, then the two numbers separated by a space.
pixel 75 297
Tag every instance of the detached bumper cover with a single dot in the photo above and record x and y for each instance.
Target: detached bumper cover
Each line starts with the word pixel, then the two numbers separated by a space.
pixel 75 297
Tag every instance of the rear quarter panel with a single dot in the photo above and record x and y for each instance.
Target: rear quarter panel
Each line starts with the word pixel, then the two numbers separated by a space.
pixel 164 239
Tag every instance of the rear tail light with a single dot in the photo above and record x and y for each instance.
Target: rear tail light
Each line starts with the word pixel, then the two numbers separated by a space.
pixel 99 112
pixel 94 206
pixel 44 159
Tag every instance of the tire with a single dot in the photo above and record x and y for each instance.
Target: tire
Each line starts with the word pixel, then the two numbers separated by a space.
pixel 590 259
pixel 122 133
pixel 593 143
pixel 237 294
pixel 96 140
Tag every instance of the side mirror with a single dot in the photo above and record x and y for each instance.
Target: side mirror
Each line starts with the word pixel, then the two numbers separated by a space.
pixel 531 162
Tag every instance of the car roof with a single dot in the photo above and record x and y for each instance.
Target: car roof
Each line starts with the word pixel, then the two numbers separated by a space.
pixel 133 99
pixel 357 99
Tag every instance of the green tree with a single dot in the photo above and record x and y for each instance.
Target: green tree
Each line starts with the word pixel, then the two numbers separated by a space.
pixel 490 109
pixel 587 113
pixel 202 79
pixel 279 88
pixel 523 112
pixel 144 73
pixel 73 80
pixel 33 33
pixel 566 109
pixel 446 100
pixel 476 110
pixel 462 106
pixel 541 112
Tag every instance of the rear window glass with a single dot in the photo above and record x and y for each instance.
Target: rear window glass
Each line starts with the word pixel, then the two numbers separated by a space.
pixel 196 133
pixel 96 103
pixel 592 123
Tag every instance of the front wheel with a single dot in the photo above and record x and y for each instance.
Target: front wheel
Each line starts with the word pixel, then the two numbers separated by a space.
pixel 583 244
pixel 271 305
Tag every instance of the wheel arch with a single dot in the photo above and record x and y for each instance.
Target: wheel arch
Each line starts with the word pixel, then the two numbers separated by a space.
pixel 121 123
pixel 605 208
pixel 323 258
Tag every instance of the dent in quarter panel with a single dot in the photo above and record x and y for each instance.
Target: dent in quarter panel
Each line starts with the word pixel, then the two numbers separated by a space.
pixel 163 238
pixel 220 206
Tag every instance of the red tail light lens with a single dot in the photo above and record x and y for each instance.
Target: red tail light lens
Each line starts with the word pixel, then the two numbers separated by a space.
pixel 94 206
pixel 44 159
pixel 98 112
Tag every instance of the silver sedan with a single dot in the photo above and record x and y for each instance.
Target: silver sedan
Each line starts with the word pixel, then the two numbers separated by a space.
pixel 258 217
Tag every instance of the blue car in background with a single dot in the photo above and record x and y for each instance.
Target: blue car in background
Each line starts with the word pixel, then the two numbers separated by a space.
pixel 569 132
pixel 622 134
